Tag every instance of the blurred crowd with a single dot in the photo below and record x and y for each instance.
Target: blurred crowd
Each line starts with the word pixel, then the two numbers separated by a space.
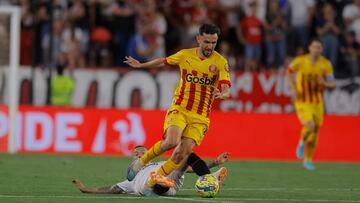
pixel 256 34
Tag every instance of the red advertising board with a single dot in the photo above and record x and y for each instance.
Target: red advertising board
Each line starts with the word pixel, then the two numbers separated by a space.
pixel 258 92
pixel 116 132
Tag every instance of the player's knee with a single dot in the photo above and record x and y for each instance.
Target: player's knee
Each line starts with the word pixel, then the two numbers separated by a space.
pixel 310 125
pixel 173 138
pixel 311 143
pixel 316 129
pixel 172 141
pixel 171 144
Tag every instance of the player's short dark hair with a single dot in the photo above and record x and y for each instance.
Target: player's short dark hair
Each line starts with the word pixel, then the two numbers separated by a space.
pixel 209 28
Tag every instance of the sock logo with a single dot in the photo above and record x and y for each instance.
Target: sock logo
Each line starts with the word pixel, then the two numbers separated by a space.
pixel 196 79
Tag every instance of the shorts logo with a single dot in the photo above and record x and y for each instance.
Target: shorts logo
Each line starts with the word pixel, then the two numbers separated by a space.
pixel 212 68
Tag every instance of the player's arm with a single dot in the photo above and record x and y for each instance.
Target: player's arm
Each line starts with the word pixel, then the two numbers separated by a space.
pixel 326 78
pixel 224 82
pixel 114 189
pixel 174 59
pixel 221 159
pixel 290 76
pixel 326 81
pixel 156 63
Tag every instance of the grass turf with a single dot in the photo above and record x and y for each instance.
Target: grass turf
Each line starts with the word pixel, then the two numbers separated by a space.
pixel 47 178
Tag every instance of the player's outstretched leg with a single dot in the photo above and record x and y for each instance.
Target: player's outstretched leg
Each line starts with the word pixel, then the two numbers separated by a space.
pixel 198 165
pixel 157 179
pixel 310 149
pixel 220 175
pixel 306 132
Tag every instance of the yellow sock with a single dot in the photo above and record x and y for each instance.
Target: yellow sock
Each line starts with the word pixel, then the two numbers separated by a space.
pixel 305 133
pixel 168 167
pixel 153 152
pixel 311 145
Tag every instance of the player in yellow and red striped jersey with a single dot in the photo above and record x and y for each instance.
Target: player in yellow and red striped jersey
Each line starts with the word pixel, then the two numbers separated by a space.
pixel 202 71
pixel 308 75
pixel 199 76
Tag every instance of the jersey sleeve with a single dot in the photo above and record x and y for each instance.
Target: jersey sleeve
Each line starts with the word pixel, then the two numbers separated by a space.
pixel 294 65
pixel 328 72
pixel 127 186
pixel 174 59
pixel 224 73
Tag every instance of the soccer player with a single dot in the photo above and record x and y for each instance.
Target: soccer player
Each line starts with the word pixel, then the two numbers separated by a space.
pixel 137 186
pixel 202 70
pixel 308 75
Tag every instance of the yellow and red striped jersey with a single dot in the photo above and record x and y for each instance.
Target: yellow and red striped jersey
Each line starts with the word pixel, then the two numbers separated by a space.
pixel 198 79
pixel 307 73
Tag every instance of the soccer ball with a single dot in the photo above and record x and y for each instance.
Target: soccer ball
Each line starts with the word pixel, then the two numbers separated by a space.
pixel 207 186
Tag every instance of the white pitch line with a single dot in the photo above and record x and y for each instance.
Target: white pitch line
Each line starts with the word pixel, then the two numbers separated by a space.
pixel 179 198
pixel 118 197
pixel 284 189
pixel 295 200
pixel 203 200
pixel 70 196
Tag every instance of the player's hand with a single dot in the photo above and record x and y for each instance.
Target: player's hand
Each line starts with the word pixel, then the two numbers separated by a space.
pixel 222 158
pixel 217 94
pixel 78 184
pixel 132 62
pixel 320 78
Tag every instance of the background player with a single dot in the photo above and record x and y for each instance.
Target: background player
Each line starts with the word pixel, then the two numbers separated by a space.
pixel 308 75
pixel 187 120
pixel 137 185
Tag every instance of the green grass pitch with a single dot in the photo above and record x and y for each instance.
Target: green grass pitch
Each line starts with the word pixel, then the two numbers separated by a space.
pixel 47 178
